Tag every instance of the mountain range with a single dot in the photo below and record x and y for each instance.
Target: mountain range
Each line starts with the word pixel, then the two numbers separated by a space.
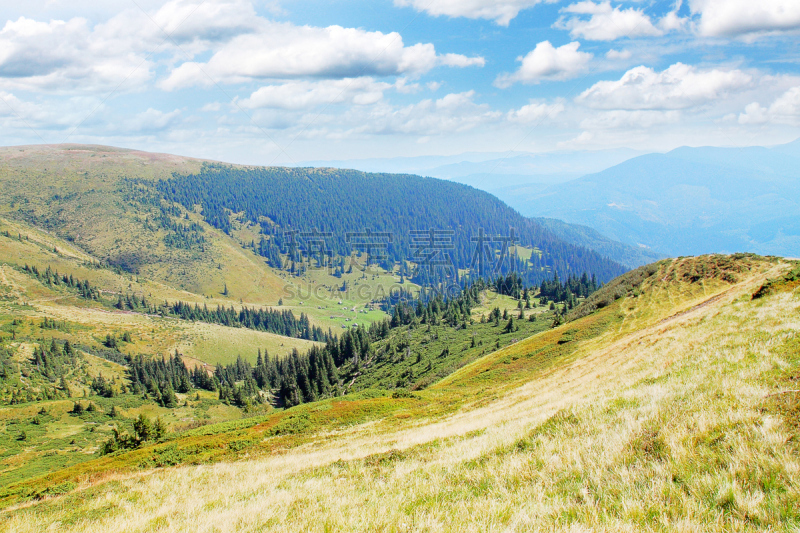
pixel 687 201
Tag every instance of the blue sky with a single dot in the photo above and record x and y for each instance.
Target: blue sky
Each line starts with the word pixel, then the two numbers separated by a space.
pixel 286 81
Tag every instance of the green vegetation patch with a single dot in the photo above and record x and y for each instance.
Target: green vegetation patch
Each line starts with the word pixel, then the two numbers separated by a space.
pixel 788 282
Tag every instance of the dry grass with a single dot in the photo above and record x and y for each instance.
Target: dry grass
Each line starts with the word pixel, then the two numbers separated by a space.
pixel 658 425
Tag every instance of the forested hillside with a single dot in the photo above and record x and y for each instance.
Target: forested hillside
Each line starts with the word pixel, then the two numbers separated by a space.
pixel 401 211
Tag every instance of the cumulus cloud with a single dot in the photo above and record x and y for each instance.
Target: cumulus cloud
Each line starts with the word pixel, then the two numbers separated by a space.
pixel 678 87
pixel 673 22
pixel 535 112
pixel 500 11
pixel 74 55
pixel 732 18
pixel 605 23
pixel 283 50
pixel 210 20
pixel 307 94
pixel 546 62
pixel 784 110
pixel 49 118
pixel 458 60
pixel 64 55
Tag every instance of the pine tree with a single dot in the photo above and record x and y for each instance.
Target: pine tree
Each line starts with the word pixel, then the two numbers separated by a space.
pixel 143 428
pixel 159 429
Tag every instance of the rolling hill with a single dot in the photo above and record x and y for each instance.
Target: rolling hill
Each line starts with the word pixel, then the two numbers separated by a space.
pixel 113 204
pixel 685 202
pixel 149 379
pixel 667 403
pixel 147 285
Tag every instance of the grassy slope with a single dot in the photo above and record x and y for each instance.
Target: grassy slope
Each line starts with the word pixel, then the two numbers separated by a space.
pixel 59 439
pixel 415 358
pixel 73 197
pixel 77 193
pixel 213 344
pixel 653 413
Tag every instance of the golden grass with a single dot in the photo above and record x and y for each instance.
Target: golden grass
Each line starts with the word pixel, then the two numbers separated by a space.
pixel 657 425
pixel 210 343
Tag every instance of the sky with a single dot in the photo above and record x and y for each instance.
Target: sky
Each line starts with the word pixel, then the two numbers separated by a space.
pixel 286 81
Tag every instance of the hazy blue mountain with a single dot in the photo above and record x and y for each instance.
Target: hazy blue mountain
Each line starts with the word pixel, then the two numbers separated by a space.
pixel 490 171
pixel 687 201
pixel 630 256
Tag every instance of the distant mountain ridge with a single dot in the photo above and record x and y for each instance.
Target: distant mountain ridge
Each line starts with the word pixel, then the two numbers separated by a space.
pixel 688 201
pixel 631 256
pixel 489 171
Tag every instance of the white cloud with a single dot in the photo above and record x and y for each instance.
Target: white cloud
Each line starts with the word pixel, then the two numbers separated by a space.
pixel 283 50
pixel 673 22
pixel 125 50
pixel 500 11
pixel 211 107
pixel 307 94
pixel 453 113
pixel 545 62
pixel 209 20
pixel 580 142
pixel 535 112
pixel 787 105
pixel 784 110
pixel 754 114
pixel 606 23
pixel 615 55
pixel 49 118
pixel 678 87
pixel 458 60
pixel 13 107
pixel 402 86
pixel 731 18
pixel 64 55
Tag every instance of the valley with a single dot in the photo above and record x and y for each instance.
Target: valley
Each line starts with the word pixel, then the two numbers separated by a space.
pixel 183 363
pixel 396 267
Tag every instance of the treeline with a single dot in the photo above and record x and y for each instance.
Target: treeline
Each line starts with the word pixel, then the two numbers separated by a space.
pixel 282 322
pixel 289 381
pixel 574 287
pixel 159 379
pixel 331 202
pixel 431 307
pixel 52 362
pixel 292 380
pixel 41 378
pixel 295 379
pixel 52 278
